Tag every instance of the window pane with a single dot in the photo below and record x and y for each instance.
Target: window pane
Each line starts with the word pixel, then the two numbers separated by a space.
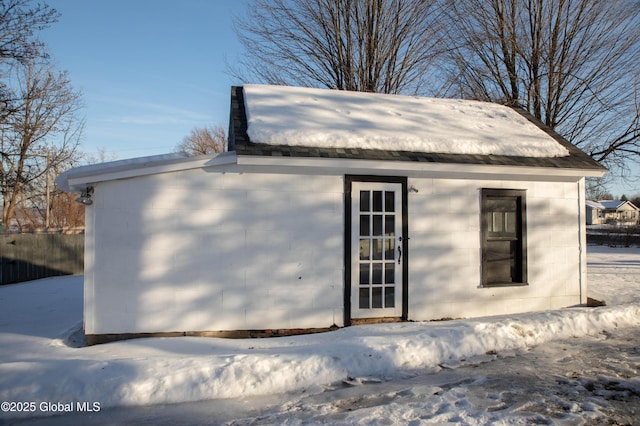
pixel 377 273
pixel 377 201
pixel 377 249
pixel 506 204
pixel 389 297
pixel 389 225
pixel 389 273
pixel 376 297
pixel 377 224
pixel 497 223
pixel 502 217
pixel 364 201
pixel 364 249
pixel 364 273
pixel 364 298
pixel 364 225
pixel 389 201
pixel 501 261
pixel 510 223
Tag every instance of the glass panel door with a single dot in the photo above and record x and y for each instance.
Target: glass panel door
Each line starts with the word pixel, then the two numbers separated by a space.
pixel 376 265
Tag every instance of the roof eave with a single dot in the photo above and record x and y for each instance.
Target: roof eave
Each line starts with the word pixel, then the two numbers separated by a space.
pixel 415 168
pixel 79 178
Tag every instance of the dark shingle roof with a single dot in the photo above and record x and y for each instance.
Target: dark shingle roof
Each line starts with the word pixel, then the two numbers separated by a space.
pixel 240 143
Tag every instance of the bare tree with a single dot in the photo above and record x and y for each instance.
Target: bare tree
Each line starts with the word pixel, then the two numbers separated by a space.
pixel 100 155
pixel 19 21
pixel 65 211
pixel 204 141
pixel 597 189
pixel 382 46
pixel 40 138
pixel 572 63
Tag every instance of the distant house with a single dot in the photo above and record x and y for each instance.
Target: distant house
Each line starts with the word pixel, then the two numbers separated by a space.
pixel 335 208
pixel 619 212
pixel 594 212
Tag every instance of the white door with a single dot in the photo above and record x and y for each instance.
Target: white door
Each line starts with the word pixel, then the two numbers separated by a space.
pixel 376 250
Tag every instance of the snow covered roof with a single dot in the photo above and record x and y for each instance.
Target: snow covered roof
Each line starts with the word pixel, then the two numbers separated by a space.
pixel 617 205
pixel 594 205
pixel 296 116
pixel 279 121
pixel 611 204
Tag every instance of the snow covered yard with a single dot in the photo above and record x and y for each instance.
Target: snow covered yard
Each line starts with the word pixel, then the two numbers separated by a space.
pixel 574 366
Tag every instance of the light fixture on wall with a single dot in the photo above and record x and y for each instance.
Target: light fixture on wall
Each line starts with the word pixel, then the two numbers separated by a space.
pixel 85 196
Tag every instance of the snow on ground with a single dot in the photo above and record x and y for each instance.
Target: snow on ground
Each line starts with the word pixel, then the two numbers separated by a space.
pixel 310 117
pixel 613 274
pixel 399 372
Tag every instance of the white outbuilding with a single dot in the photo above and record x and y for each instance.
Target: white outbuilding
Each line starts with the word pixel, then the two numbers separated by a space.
pixel 333 208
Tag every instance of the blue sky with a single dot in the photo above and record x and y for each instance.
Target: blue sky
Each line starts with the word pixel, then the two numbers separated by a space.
pixel 149 70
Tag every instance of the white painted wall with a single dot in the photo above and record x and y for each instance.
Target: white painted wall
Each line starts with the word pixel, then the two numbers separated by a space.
pixel 232 248
pixel 204 250
pixel 445 249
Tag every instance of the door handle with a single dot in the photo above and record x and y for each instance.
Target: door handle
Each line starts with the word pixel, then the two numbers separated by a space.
pixel 399 254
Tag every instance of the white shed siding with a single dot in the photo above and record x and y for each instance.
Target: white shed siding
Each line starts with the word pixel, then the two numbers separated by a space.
pixel 240 248
pixel 205 250
pixel 445 249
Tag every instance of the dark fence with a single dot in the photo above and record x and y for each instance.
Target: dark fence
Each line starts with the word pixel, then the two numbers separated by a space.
pixel 25 257
pixel 615 236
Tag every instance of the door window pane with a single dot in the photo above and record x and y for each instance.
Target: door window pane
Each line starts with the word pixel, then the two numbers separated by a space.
pixel 376 297
pixel 389 225
pixel 364 225
pixel 377 201
pixel 377 249
pixel 389 297
pixel 377 273
pixel 364 201
pixel 364 298
pixel 389 247
pixel 377 224
pixel 389 201
pixel 364 273
pixel 364 249
pixel 389 273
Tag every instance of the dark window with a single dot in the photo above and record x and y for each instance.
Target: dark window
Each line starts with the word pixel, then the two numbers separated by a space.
pixel 504 247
